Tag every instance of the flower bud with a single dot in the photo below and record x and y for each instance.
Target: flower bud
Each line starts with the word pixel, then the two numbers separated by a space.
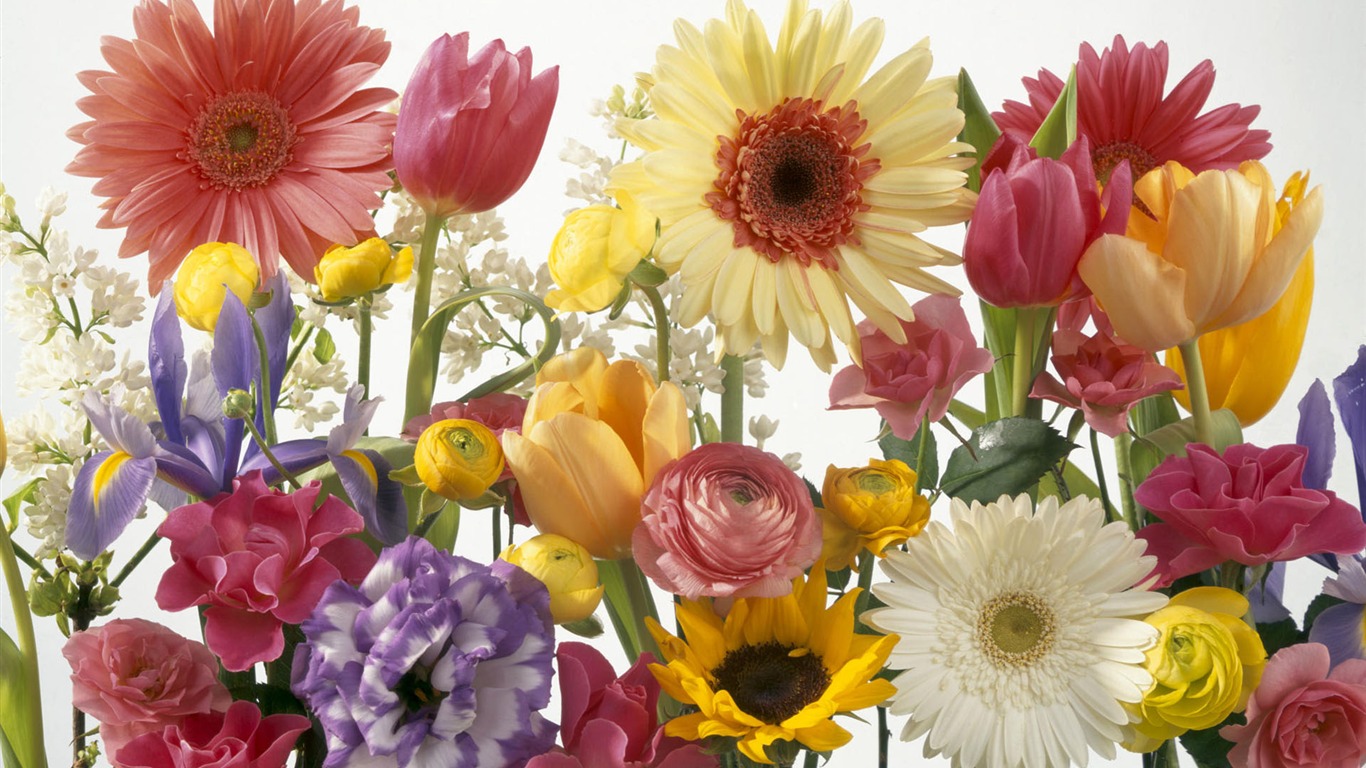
pixel 239 404
pixel 458 458
pixel 566 569
pixel 346 273
pixel 206 276
pixel 594 251
pixel 872 508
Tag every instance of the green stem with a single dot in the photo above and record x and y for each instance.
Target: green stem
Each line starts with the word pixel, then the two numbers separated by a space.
pixel 265 451
pixel 921 451
pixel 1100 478
pixel 1023 371
pixel 138 557
pixel 663 356
pixel 426 523
pixel 812 759
pixel 1231 576
pixel 1199 395
pixel 883 736
pixel 299 343
pixel 498 530
pixel 31 561
pixel 426 267
pixel 28 649
pixel 618 606
pixel 366 329
pixel 642 604
pixel 1124 468
pixel 267 396
pixel 733 399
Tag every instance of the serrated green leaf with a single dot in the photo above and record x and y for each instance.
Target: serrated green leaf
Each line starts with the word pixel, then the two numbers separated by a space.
pixel 908 452
pixel 979 129
pixel 1007 457
pixel 1319 604
pixel 590 627
pixel 17 499
pixel 811 490
pixel 324 348
pixel 1059 129
pixel 648 275
pixel 1209 749
pixel 1279 634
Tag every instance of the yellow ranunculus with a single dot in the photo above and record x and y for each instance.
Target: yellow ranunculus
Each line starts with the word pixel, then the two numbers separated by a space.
pixel 872 508
pixel 1210 256
pixel 1248 366
pixel 346 273
pixel 458 458
pixel 206 276
pixel 593 439
pixel 594 251
pixel 1205 665
pixel 567 571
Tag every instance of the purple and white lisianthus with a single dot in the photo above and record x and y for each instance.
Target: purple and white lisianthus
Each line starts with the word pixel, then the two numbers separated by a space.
pixel 434 660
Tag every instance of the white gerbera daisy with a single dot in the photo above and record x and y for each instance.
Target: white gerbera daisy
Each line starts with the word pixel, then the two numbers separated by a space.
pixel 1018 634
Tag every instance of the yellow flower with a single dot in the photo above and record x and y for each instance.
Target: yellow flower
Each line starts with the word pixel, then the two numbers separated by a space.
pixel 872 508
pixel 567 571
pixel 1212 254
pixel 458 458
pixel 594 251
pixel 1205 665
pixel 592 441
pixel 346 273
pixel 789 181
pixel 774 669
pixel 1248 366
pixel 206 276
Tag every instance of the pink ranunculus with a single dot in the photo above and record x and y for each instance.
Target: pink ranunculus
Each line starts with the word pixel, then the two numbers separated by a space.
pixel 610 721
pixel 470 127
pixel 905 382
pixel 726 520
pixel 1033 221
pixel 238 738
pixel 259 559
pixel 499 412
pixel 1303 716
pixel 137 677
pixel 1102 378
pixel 1248 505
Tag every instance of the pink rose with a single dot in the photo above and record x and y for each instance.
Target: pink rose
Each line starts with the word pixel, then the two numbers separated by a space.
pixel 260 559
pixel 610 721
pixel 137 677
pixel 726 520
pixel 1102 378
pixel 239 738
pixel 1248 506
pixel 499 412
pixel 906 381
pixel 1301 715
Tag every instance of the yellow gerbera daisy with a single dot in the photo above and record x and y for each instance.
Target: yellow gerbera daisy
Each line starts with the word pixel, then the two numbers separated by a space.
pixel 787 185
pixel 774 669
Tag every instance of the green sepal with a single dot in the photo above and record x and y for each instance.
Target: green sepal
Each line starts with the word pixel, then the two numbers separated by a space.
pixel 259 299
pixel 622 300
pixel 979 129
pixel 1153 448
pixel 647 275
pixel 589 628
pixel 1059 129
pixel 406 476
pixel 431 502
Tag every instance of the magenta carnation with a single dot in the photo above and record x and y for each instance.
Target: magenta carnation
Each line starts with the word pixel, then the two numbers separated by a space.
pixel 726 520
pixel 238 738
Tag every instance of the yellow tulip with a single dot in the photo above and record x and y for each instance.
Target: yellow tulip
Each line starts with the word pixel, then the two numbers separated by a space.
pixel 594 251
pixel 1210 256
pixel 872 508
pixel 205 278
pixel 458 458
pixel 593 439
pixel 1248 366
pixel 567 571
pixel 346 273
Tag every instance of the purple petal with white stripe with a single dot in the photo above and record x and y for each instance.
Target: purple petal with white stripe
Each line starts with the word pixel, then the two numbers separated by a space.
pixel 123 431
pixel 356 416
pixel 1349 390
pixel 109 491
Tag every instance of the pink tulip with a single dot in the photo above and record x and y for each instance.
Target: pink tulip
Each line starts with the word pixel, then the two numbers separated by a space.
pixel 1103 378
pixel 470 129
pixel 1034 219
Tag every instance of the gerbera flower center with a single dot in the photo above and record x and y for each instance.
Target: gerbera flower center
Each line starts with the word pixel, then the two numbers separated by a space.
pixel 790 180
pixel 241 140
pixel 1016 629
pixel 772 681
pixel 1105 157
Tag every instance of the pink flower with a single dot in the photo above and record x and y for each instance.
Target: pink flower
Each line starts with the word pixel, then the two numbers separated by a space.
pixel 907 381
pixel 254 133
pixel 1103 378
pixel 726 520
pixel 1300 715
pixel 499 412
pixel 610 721
pixel 470 129
pixel 259 559
pixel 138 677
pixel 239 738
pixel 1248 505
pixel 1033 221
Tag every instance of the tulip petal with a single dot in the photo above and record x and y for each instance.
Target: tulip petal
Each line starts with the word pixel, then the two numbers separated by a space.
pixel 1349 390
pixel 1140 292
pixel 625 393
pixel 109 491
pixel 1267 279
pixel 166 365
pixel 665 430
pixel 1211 237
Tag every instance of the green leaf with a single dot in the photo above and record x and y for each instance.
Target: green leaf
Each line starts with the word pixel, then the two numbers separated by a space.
pixel 324 348
pixel 839 579
pixel 1279 634
pixel 24 495
pixel 1209 749
pixel 1153 413
pixel 590 627
pixel 21 733
pixel 619 303
pixel 1003 457
pixel 908 452
pixel 648 275
pixel 979 129
pixel 1151 449
pixel 1059 129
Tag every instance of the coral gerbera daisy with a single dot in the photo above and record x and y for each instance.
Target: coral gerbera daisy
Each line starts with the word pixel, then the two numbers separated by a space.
pixel 1021 632
pixel 252 133
pixel 787 185
pixel 773 670
pixel 1122 113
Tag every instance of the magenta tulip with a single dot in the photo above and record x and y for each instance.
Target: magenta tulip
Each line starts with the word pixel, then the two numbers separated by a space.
pixel 1033 221
pixel 470 128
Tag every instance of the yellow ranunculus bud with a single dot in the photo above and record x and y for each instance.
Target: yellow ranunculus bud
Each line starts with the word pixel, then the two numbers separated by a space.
pixel 206 276
pixel 345 273
pixel 1205 665
pixel 458 458
pixel 594 251
pixel 566 569
pixel 872 508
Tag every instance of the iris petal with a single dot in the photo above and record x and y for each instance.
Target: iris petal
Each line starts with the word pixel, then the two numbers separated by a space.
pixel 109 492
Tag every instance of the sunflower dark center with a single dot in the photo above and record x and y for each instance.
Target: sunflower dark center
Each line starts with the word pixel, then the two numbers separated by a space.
pixel 771 681
pixel 1016 629
pixel 241 140
pixel 790 180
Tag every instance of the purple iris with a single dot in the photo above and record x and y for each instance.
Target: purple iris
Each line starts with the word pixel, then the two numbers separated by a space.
pixel 1339 627
pixel 1316 432
pixel 434 661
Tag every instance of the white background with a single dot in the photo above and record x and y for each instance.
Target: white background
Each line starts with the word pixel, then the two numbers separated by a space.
pixel 1304 63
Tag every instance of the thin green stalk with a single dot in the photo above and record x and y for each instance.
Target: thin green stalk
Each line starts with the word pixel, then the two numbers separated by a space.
pixel 1124 468
pixel 270 455
pixel 28 648
pixel 299 343
pixel 1231 577
pixel 32 562
pixel 267 396
pixel 662 354
pixel 498 531
pixel 366 329
pixel 1023 371
pixel 138 557
pixel 733 399
pixel 618 606
pixel 642 604
pixel 883 735
pixel 426 267
pixel 1100 479
pixel 1199 395
pixel 812 759
pixel 920 452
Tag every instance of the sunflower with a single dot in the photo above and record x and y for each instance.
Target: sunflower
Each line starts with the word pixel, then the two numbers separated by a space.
pixel 788 185
pixel 774 669
pixel 1021 632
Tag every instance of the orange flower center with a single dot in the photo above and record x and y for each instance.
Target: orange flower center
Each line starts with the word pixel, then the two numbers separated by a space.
pixel 241 140
pixel 790 180
pixel 1105 157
